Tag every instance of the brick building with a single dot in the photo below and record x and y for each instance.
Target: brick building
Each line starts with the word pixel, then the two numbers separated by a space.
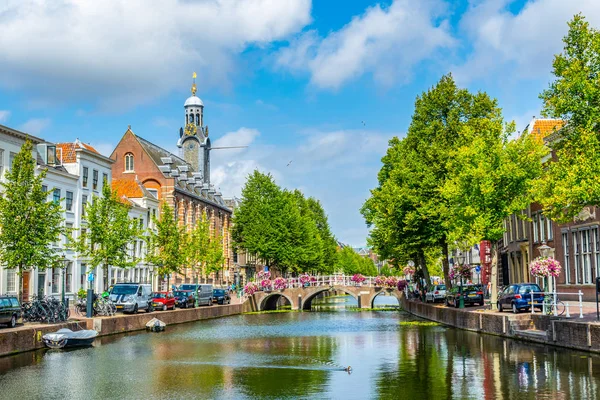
pixel 181 181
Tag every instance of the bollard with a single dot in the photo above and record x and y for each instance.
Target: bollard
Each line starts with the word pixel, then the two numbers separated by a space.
pixel 90 303
pixel 532 307
pixel 580 304
pixel 568 313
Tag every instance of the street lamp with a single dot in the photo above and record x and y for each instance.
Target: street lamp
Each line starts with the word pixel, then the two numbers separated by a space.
pixel 460 257
pixel 65 262
pixel 544 250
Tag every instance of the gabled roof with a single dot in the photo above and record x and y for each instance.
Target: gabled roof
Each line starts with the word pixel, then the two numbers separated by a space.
pixel 21 135
pixel 69 150
pixel 542 127
pixel 173 166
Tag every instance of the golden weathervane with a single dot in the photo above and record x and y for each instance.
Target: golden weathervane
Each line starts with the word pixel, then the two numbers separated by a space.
pixel 194 84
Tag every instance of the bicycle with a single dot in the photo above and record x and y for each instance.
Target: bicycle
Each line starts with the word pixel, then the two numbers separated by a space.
pixel 550 306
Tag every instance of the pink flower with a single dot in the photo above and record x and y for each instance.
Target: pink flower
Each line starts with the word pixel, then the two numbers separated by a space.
pixel 358 278
pixel 250 288
pixel 280 283
pixel 544 267
pixel 380 281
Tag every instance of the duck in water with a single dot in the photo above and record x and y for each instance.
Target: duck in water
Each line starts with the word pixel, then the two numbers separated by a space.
pixel 348 369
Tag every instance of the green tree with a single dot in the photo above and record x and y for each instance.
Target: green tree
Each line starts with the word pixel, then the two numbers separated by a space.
pixel 570 182
pixel 197 246
pixel 166 243
pixel 29 222
pixel 214 256
pixel 109 233
pixel 407 211
pixel 490 177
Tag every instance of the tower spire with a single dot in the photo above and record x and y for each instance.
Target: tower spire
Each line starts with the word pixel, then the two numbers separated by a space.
pixel 194 84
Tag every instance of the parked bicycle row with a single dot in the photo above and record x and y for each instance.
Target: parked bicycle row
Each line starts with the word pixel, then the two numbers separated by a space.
pixel 124 297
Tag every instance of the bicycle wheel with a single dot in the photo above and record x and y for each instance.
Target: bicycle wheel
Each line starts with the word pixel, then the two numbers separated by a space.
pixel 560 308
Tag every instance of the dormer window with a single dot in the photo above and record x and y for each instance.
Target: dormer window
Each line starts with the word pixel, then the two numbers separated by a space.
pixel 128 162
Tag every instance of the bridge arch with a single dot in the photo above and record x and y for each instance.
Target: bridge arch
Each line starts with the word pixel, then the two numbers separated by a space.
pixel 396 293
pixel 307 300
pixel 269 302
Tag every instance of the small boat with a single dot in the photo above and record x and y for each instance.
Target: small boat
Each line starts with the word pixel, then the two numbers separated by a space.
pixel 67 338
pixel 155 325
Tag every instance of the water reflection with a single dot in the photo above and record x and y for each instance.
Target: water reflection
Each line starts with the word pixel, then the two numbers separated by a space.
pixel 301 355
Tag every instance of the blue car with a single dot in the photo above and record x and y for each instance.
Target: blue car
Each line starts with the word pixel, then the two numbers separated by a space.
pixel 517 297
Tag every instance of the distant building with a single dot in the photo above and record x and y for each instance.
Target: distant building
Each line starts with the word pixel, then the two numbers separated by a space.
pixel 182 181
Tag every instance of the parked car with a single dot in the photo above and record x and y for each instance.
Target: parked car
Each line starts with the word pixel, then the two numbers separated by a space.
pixel 163 301
pixel 221 296
pixel 189 286
pixel 131 297
pixel 184 298
pixel 472 294
pixel 205 295
pixel 10 310
pixel 518 297
pixel 435 293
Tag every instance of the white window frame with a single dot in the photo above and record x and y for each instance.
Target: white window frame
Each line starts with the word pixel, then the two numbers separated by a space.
pixel 565 246
pixel 129 162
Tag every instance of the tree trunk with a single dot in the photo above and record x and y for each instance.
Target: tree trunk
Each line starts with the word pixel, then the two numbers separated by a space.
pixel 494 275
pixel 105 277
pixel 423 264
pixel 445 265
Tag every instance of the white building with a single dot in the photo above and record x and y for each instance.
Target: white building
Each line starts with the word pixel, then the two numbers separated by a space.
pixel 75 174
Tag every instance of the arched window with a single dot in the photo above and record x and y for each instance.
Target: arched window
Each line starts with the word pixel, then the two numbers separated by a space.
pixel 191 119
pixel 198 119
pixel 128 162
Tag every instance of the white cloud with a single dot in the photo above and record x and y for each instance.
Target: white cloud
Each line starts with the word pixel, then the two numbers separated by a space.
pixel 4 115
pixel 518 45
pixel 338 167
pixel 387 42
pixel 122 53
pixel 35 126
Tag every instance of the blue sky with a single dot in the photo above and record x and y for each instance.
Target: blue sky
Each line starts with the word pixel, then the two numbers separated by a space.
pixel 324 84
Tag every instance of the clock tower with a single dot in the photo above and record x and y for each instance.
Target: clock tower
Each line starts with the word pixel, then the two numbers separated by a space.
pixel 193 137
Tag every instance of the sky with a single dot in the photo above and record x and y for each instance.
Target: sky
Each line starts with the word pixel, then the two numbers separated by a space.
pixel 315 89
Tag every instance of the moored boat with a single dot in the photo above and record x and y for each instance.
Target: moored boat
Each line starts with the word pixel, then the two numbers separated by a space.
pixel 67 338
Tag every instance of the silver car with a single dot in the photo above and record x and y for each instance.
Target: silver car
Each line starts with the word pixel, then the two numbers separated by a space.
pixel 131 297
pixel 435 293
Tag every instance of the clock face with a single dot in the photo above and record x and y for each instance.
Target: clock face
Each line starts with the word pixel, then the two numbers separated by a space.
pixel 191 146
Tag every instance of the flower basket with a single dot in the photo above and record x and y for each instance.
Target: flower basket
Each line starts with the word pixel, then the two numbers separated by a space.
pixel 266 285
pixel 280 283
pixel 358 279
pixel 250 288
pixel 305 280
pixel 544 267
pixel 402 284
pixel 408 271
pixel 380 281
pixel 460 271
pixel 391 283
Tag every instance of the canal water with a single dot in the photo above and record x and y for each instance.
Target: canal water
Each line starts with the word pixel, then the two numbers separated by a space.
pixel 302 356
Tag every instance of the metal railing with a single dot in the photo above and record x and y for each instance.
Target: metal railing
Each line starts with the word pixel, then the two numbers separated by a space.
pixel 330 280
pixel 552 305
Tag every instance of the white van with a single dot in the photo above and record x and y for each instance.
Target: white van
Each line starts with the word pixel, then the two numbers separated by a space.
pixel 131 297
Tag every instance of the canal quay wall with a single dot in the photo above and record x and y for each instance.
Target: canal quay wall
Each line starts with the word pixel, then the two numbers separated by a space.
pixel 525 326
pixel 29 337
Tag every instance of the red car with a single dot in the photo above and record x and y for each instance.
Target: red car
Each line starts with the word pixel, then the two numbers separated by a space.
pixel 163 301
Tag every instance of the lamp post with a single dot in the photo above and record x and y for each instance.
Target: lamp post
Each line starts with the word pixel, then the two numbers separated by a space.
pixel 461 259
pixel 544 250
pixel 65 262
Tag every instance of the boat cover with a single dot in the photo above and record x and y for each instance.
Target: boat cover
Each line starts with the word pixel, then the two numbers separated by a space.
pixel 69 334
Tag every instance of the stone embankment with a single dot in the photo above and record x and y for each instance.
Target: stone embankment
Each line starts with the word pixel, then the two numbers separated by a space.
pixel 538 328
pixel 29 337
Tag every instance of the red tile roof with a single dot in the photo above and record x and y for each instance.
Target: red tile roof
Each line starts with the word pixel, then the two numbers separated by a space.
pixel 68 150
pixel 127 188
pixel 544 127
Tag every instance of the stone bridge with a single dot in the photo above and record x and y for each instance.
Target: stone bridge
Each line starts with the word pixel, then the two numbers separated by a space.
pixel 301 298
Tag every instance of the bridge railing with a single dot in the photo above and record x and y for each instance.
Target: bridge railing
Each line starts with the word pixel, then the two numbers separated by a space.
pixel 330 280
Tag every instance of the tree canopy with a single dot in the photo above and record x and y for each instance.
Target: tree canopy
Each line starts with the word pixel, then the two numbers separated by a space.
pixel 109 232
pixel 283 228
pixel 570 182
pixel 30 223
pixel 166 244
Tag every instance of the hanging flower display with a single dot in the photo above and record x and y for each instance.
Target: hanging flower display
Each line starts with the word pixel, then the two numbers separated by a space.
pixel 408 270
pixel 460 271
pixel 250 288
pixel 304 279
pixel 279 283
pixel 543 267
pixel 266 284
pixel 391 282
pixel 380 281
pixel 358 278
pixel 402 284
pixel 263 275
